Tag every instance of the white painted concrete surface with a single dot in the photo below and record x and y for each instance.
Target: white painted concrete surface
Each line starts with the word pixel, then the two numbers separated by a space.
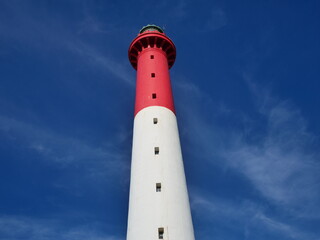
pixel 148 209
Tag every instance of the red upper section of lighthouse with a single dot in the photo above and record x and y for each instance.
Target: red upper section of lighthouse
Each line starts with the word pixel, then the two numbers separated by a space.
pixel 152 54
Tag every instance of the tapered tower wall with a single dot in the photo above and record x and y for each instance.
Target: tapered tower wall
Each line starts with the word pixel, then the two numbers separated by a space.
pixel 158 203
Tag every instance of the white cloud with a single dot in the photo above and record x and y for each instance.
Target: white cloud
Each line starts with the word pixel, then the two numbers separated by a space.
pixel 279 227
pixel 99 161
pixel 284 165
pixel 17 227
pixel 244 216
pixel 282 162
pixel 92 57
pixel 222 208
pixel 22 26
pixel 216 20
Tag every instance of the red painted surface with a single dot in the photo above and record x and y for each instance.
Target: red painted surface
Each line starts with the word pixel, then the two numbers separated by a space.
pixel 152 90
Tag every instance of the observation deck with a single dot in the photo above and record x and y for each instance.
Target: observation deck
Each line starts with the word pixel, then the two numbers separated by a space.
pixel 151 36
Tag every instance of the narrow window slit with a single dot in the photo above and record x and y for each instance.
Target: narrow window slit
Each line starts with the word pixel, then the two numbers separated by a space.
pixel 154 95
pixel 160 233
pixel 151 56
pixel 155 120
pixel 158 187
pixel 156 150
pixel 153 75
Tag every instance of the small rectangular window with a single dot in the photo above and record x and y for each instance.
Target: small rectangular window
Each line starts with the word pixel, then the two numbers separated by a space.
pixel 154 95
pixel 158 187
pixel 151 56
pixel 153 75
pixel 155 120
pixel 160 233
pixel 156 150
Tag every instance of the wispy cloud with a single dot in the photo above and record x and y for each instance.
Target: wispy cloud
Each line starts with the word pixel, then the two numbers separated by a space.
pixel 105 63
pixel 20 25
pixel 222 208
pixel 244 216
pixel 99 162
pixel 216 20
pixel 285 229
pixel 280 159
pixel 283 164
pixel 17 227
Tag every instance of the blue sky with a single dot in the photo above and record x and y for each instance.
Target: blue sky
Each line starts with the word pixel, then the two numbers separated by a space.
pixel 246 88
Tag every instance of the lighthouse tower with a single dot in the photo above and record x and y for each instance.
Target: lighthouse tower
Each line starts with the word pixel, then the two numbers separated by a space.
pixel 159 204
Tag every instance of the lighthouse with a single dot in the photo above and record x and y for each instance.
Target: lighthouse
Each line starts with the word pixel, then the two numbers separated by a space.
pixel 158 203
